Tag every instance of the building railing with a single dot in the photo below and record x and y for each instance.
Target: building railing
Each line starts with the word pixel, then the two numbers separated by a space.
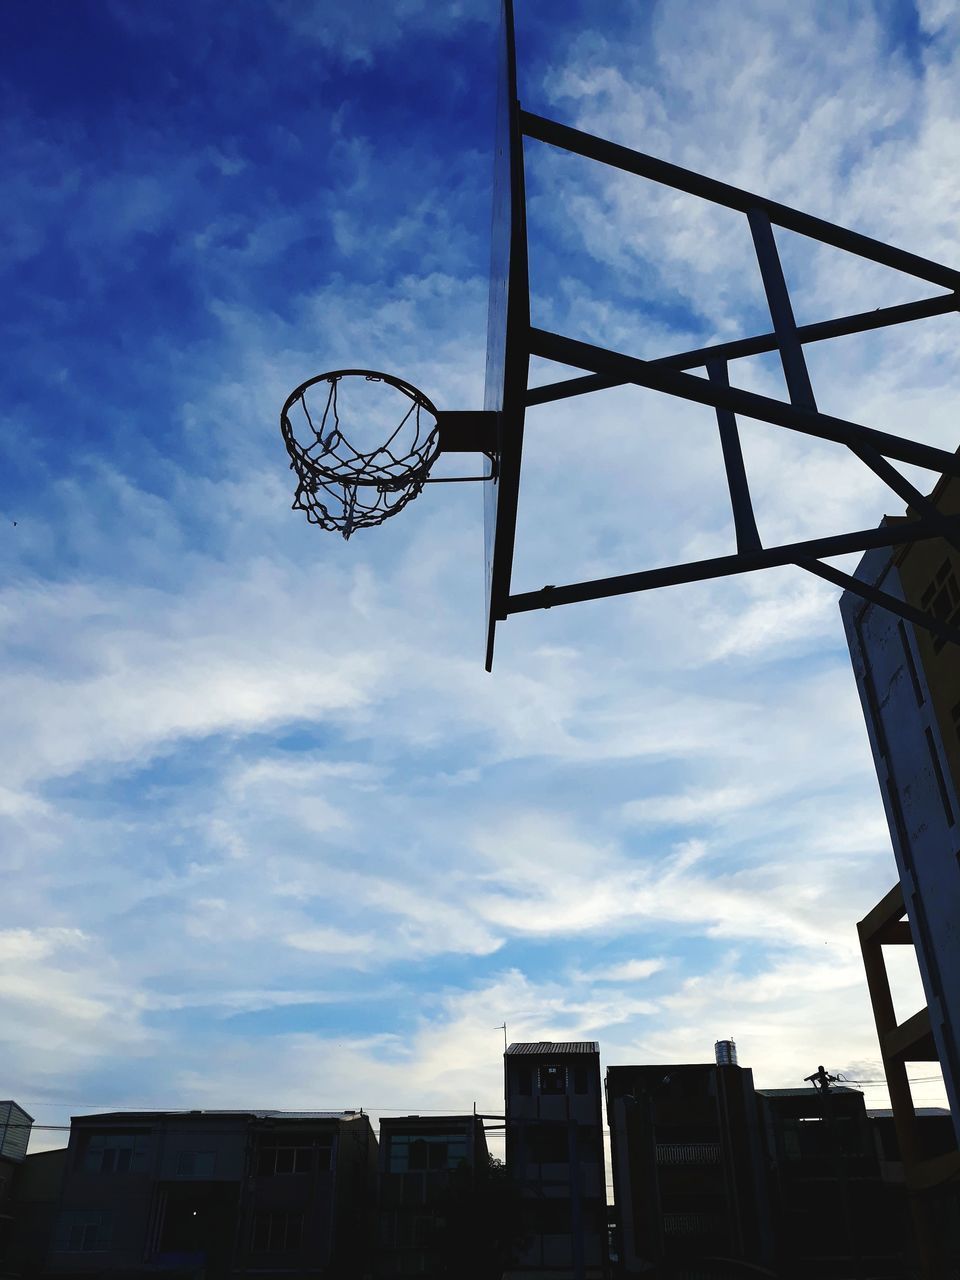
pixel 690 1224
pixel 688 1153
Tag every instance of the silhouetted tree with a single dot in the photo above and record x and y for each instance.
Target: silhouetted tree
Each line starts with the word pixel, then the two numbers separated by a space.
pixel 479 1222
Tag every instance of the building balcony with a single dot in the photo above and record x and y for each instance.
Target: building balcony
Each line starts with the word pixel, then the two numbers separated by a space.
pixel 688 1153
pixel 692 1224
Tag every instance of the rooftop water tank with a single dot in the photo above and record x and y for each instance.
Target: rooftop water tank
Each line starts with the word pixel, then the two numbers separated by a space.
pixel 726 1051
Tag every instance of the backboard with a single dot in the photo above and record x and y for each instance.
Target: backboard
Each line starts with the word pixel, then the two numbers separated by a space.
pixel 508 328
pixel 497 430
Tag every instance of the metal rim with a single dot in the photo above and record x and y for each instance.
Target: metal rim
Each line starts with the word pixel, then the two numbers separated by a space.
pixel 371 375
pixel 297 452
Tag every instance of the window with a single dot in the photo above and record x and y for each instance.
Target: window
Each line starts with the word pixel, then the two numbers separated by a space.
pixel 196 1164
pixel 942 598
pixel 524 1075
pixel 430 1151
pixel 403 1234
pixel 424 1230
pixel 413 1188
pixel 580 1079
pixel 548 1143
pixel 278 1160
pixel 791 1141
pixel 548 1217
pixel 553 1079
pixel 427 1155
pixel 412 1231
pixel 115 1153
pixel 813 1138
pixel 83 1231
pixel 277 1232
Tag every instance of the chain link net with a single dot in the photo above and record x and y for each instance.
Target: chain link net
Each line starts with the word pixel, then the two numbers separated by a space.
pixel 340 486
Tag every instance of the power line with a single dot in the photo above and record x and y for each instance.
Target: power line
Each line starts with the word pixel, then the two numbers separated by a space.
pixel 912 1080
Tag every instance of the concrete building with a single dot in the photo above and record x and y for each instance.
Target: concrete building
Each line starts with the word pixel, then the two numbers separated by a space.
pixel 230 1193
pixel 425 1164
pixel 33 1213
pixel 688 1167
pixel 835 1217
pixel 555 1155
pixel 15 1126
pixel 934 1138
pixel 909 685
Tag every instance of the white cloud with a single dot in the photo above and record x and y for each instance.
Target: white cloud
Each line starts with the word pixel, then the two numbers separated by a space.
pixel 18 945
pixel 629 971
pixel 359 35
pixel 692 806
pixel 63 1006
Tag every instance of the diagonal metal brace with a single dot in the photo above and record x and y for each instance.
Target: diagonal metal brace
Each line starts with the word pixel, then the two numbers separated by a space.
pixel 687 386
pixel 741 348
pixel 882 598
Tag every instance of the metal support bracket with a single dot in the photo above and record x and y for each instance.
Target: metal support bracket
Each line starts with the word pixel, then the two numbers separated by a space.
pixel 468 431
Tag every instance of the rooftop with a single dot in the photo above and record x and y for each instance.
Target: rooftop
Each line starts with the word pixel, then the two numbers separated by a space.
pixel 437 1121
pixel 217 1114
pixel 6 1109
pixel 885 1113
pixel 548 1048
pixel 671 1066
pixel 804 1093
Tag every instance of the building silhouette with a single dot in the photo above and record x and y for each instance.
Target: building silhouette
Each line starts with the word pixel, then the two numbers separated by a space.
pixel 424 1163
pixel 15 1126
pixel 33 1213
pixel 688 1167
pixel 554 1148
pixel 909 685
pixel 712 1178
pixel 934 1141
pixel 218 1192
pixel 834 1214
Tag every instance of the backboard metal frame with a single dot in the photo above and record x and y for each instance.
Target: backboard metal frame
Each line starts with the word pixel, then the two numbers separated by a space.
pixel 512 340
pixel 508 334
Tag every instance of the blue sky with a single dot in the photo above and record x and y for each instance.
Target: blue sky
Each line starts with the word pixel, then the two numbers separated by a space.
pixel 269 834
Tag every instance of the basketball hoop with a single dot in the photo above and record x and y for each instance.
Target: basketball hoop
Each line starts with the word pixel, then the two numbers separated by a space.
pixel 349 481
pixel 343 486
